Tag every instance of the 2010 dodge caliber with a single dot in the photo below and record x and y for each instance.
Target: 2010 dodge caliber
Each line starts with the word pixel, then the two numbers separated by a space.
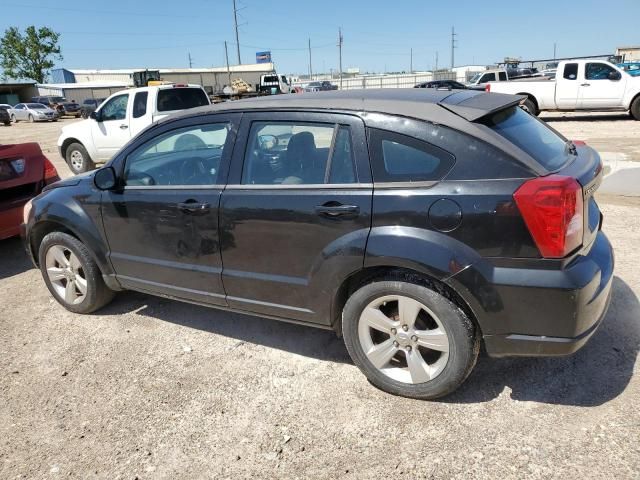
pixel 417 224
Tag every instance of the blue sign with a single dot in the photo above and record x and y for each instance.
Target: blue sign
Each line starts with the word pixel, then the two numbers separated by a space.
pixel 263 57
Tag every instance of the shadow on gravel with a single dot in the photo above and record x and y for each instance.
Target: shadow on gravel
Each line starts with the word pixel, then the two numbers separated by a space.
pixel 308 341
pixel 597 373
pixel 13 258
pixel 589 118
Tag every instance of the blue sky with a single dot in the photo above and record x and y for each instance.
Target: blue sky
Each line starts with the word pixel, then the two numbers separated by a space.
pixel 378 35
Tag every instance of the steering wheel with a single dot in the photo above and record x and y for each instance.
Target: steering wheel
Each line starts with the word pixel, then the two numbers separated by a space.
pixel 193 169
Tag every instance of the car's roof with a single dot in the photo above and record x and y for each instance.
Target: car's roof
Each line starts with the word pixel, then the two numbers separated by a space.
pixel 425 104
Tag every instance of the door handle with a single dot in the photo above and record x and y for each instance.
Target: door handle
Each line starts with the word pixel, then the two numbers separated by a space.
pixel 333 209
pixel 192 207
pixel 585 84
pixel 124 127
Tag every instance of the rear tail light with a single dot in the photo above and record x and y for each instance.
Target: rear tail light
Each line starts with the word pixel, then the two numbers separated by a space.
pixel 552 209
pixel 50 171
pixel 487 87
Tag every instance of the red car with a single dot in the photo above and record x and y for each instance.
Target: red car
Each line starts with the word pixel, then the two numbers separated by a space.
pixel 24 171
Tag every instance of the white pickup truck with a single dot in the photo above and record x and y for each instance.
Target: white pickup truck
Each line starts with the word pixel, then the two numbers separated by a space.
pixel 121 117
pixel 579 85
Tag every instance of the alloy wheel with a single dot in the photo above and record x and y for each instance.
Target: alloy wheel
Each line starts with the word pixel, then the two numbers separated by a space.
pixel 403 339
pixel 66 274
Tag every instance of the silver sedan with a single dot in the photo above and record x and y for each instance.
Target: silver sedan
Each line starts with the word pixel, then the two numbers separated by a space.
pixel 32 112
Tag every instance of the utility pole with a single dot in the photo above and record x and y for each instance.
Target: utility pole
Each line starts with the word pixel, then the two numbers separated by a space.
pixel 554 50
pixel 310 67
pixel 190 61
pixel 226 56
pixel 235 21
pixel 411 61
pixel 453 46
pixel 340 39
pixel 436 69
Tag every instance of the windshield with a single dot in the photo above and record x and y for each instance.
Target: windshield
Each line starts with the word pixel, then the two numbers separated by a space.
pixel 475 78
pixel 531 135
pixel 270 79
pixel 36 106
pixel 57 99
pixel 181 98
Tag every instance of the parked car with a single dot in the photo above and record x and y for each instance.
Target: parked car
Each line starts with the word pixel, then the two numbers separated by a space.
pixel 5 117
pixel 274 84
pixel 418 224
pixel 119 118
pixel 32 112
pixel 89 106
pixel 441 84
pixel 480 80
pixel 579 85
pixel 322 86
pixel 632 68
pixel 59 104
pixel 24 171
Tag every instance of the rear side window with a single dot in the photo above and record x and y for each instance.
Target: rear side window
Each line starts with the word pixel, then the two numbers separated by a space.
pixel 570 71
pixel 502 76
pixel 531 135
pixel 180 98
pixel 400 158
pixel 140 104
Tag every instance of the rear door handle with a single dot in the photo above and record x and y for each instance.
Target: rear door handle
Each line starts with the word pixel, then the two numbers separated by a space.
pixel 585 84
pixel 124 127
pixel 192 207
pixel 331 209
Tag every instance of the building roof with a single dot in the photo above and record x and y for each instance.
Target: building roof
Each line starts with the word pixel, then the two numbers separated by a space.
pixel 70 86
pixel 247 67
pixel 425 104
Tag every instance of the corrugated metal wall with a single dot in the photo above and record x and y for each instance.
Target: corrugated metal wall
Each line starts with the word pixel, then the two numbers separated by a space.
pixel 79 94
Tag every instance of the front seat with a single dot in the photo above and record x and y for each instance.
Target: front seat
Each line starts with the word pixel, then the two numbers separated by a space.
pixel 302 158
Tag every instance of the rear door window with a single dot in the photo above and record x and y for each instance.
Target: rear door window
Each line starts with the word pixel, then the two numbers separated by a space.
pixel 502 76
pixel 531 135
pixel 181 98
pixel 400 158
pixel 570 71
pixel 140 104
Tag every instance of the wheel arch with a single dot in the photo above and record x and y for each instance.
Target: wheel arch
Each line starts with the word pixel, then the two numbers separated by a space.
pixel 532 98
pixel 65 145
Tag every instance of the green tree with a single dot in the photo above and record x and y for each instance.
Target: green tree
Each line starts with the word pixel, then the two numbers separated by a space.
pixel 30 55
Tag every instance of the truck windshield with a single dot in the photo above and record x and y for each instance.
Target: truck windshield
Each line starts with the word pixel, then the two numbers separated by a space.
pixel 531 135
pixel 181 98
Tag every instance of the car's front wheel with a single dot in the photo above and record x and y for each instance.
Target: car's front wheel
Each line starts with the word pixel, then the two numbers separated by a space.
pixel 14 119
pixel 71 274
pixel 78 159
pixel 409 340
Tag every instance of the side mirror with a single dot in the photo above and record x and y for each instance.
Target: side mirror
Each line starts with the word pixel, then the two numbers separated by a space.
pixel 105 178
pixel 615 75
pixel 95 116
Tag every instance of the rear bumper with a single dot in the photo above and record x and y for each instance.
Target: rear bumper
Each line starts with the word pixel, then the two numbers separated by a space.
pixel 10 220
pixel 540 312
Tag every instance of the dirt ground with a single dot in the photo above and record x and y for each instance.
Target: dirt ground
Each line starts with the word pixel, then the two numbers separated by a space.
pixel 152 388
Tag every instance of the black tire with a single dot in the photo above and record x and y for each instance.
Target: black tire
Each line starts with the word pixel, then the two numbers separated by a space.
pixel 97 293
pixel 30 118
pixel 463 339
pixel 7 124
pixel 635 108
pixel 78 159
pixel 529 106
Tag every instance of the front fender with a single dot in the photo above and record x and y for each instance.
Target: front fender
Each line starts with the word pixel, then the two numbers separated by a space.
pixel 78 213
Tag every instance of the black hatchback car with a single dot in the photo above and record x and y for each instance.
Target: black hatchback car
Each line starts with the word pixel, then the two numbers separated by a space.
pixel 418 224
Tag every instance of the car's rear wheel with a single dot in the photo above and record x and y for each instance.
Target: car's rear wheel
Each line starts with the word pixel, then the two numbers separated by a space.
pixel 530 107
pixel 14 119
pixel 408 339
pixel 71 274
pixel 30 118
pixel 78 159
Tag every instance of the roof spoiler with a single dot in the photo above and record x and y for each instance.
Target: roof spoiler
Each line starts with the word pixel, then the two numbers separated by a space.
pixel 472 105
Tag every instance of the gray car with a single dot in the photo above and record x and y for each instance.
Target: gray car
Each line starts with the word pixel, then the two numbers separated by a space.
pixel 32 112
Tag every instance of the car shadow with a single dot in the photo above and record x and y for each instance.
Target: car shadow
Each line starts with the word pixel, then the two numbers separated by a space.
pixel 13 258
pixel 588 118
pixel 597 373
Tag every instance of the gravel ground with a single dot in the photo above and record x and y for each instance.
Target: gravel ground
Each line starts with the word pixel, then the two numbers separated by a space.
pixel 152 388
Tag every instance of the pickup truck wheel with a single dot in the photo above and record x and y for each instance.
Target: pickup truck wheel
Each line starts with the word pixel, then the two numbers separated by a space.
pixel 408 339
pixel 529 107
pixel 78 159
pixel 635 108
pixel 71 274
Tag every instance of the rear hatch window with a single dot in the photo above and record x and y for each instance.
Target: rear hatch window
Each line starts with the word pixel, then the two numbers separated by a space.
pixel 531 135
pixel 181 98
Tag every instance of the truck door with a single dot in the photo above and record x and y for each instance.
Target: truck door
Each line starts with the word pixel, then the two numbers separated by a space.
pixel 567 87
pixel 603 86
pixel 110 131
